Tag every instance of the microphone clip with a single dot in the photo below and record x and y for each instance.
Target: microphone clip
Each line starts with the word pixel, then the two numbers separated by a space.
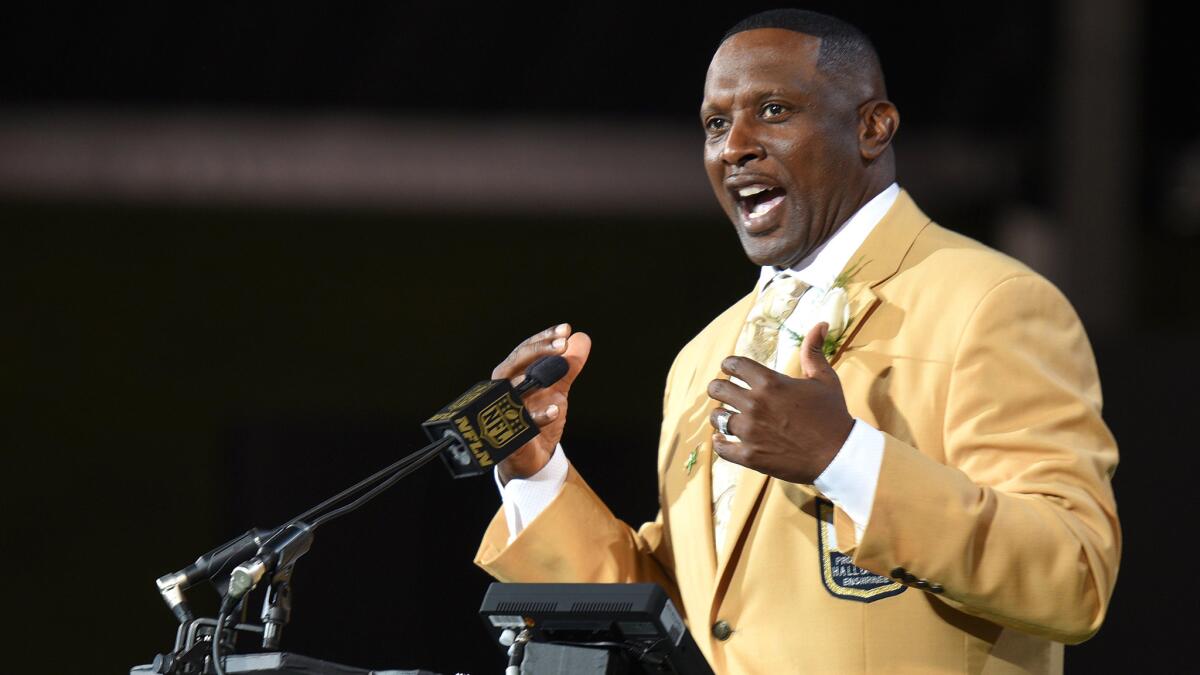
pixel 280 552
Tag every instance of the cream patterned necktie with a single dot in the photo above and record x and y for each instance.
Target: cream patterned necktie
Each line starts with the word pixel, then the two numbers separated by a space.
pixel 759 341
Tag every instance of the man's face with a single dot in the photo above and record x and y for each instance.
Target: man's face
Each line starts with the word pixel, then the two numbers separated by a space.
pixel 781 148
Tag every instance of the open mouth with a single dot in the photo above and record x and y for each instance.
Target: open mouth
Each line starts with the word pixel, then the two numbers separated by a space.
pixel 754 202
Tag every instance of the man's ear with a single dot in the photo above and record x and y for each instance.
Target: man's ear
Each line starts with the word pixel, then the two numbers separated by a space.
pixel 878 122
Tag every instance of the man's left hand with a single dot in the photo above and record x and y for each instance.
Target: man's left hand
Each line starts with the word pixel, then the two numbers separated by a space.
pixel 789 428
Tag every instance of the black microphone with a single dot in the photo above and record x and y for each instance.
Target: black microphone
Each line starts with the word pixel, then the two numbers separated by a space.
pixel 208 566
pixel 279 552
pixel 542 373
pixel 489 421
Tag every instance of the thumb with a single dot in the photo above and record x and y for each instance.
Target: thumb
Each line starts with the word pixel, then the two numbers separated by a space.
pixel 579 345
pixel 812 353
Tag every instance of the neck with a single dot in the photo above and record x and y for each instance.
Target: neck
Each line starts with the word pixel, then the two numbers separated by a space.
pixel 853 201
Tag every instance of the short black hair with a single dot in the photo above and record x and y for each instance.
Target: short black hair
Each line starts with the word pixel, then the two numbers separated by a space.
pixel 845 50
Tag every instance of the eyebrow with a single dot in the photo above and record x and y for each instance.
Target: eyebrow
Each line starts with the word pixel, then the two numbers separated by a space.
pixel 790 93
pixel 773 92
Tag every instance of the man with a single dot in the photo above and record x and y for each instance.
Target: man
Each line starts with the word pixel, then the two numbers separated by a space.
pixel 922 488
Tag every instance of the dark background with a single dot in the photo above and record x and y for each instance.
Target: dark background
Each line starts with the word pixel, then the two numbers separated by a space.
pixel 176 370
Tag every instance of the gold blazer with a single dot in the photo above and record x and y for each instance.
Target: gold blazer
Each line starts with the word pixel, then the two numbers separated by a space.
pixel 993 537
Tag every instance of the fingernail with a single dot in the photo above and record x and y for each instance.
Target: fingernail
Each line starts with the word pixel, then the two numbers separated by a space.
pixel 552 411
pixel 562 329
pixel 559 343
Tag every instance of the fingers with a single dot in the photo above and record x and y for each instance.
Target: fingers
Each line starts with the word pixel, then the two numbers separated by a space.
pixel 750 371
pixel 553 340
pixel 728 392
pixel 729 451
pixel 545 417
pixel 579 346
pixel 550 409
pixel 813 363
pixel 714 419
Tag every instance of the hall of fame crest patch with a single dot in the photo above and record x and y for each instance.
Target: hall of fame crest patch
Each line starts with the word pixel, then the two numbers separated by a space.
pixel 841 577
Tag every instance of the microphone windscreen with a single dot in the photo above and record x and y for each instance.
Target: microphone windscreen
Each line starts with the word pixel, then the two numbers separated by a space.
pixel 547 370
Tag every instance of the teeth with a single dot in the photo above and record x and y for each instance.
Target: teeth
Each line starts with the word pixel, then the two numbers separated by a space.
pixel 751 190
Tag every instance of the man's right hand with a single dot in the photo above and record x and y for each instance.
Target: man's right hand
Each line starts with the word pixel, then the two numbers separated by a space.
pixel 548 406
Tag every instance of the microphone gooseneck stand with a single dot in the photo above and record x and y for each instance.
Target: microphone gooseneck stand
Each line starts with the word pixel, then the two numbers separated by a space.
pixel 195 634
pixel 258 554
pixel 277 606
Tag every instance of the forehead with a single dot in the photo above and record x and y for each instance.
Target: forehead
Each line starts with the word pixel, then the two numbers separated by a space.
pixel 768 58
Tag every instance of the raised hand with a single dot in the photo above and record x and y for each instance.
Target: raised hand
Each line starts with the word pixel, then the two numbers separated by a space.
pixel 789 428
pixel 548 406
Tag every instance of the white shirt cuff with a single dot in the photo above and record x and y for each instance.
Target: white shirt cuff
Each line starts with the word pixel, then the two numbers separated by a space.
pixel 851 478
pixel 525 498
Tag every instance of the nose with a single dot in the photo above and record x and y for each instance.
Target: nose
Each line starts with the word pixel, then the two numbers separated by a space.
pixel 741 145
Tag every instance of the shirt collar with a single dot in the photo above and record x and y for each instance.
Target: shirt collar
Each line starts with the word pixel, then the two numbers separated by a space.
pixel 821 267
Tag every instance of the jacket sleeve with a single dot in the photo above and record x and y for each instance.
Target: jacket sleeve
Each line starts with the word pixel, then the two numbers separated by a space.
pixel 575 540
pixel 1019 525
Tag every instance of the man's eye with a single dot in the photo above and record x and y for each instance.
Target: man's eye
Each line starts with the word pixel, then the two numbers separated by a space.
pixel 715 124
pixel 773 110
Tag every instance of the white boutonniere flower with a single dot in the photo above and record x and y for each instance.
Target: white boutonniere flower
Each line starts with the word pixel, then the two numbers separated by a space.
pixel 834 310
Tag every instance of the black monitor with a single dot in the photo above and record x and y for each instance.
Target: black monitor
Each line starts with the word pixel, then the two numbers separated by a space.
pixel 637 623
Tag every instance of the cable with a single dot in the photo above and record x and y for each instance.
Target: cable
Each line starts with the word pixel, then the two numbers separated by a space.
pixel 542 373
pixel 369 480
pixel 227 604
pixel 410 464
pixel 640 648
pixel 397 470
pixel 516 653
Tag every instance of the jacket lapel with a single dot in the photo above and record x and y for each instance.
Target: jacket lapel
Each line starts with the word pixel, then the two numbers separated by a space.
pixel 878 259
pixel 750 485
pixel 696 484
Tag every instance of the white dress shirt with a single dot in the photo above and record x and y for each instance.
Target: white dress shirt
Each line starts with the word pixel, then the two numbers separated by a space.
pixel 851 478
